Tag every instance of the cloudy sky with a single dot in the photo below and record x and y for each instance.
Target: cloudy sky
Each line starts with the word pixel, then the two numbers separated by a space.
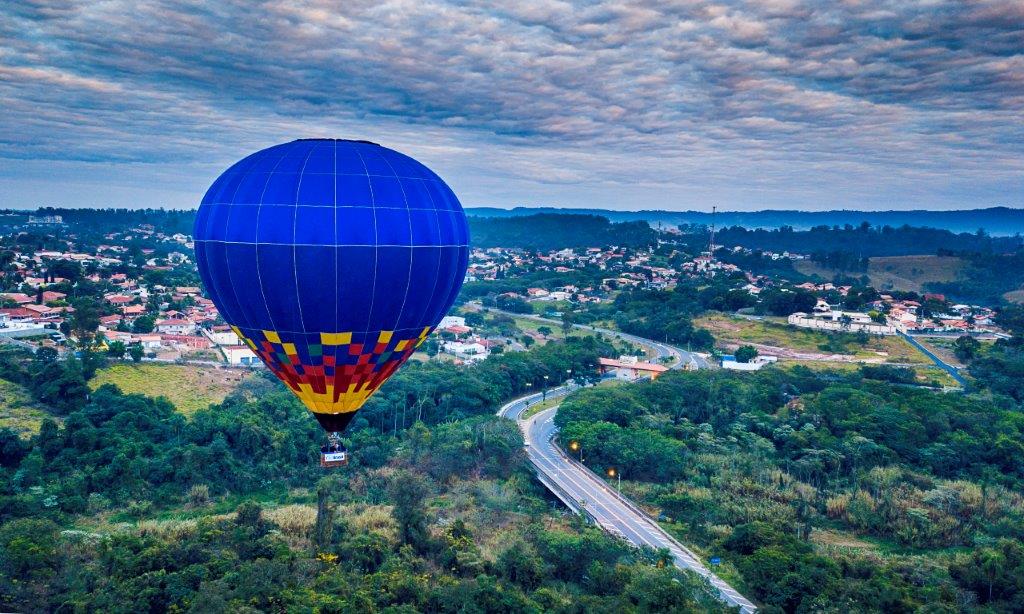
pixel 675 105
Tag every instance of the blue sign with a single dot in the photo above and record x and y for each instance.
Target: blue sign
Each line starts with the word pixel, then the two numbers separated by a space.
pixel 716 560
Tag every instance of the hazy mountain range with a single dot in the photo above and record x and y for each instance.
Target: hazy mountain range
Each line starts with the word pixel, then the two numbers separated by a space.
pixel 994 220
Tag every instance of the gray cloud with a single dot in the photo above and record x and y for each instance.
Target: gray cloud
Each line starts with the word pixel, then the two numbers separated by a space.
pixel 674 103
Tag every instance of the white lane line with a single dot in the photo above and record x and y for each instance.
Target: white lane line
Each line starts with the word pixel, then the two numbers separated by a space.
pixel 606 509
pixel 637 525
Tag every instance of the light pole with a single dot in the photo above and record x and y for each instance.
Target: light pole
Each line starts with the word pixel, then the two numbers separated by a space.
pixel 544 394
pixel 613 473
pixel 568 380
pixel 576 447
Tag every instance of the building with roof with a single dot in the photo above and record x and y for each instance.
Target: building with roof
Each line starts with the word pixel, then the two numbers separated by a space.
pixel 630 368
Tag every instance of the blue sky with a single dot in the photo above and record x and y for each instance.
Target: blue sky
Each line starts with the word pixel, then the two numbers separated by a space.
pixel 677 104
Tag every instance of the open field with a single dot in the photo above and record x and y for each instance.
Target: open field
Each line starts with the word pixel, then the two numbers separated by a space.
pixel 770 333
pixel 832 538
pixel 896 272
pixel 528 325
pixel 18 411
pixel 189 387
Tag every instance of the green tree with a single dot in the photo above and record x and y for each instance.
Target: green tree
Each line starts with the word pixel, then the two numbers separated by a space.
pixel 966 348
pixel 143 324
pixel 568 320
pixel 84 321
pixel 746 353
pixel 116 349
pixel 408 491
pixel 136 352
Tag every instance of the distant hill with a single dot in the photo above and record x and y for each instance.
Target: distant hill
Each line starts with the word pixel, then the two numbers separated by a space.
pixel 910 273
pixel 546 231
pixel 995 220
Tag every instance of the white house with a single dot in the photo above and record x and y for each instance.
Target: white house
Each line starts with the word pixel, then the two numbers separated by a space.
pixel 451 321
pixel 239 355
pixel 841 321
pixel 225 337
pixel 148 341
pixel 471 351
pixel 730 362
pixel 175 326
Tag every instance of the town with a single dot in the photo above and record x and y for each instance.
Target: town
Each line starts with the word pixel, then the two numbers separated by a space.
pixel 136 295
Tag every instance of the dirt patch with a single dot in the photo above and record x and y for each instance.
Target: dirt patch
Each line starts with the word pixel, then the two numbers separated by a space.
pixel 837 539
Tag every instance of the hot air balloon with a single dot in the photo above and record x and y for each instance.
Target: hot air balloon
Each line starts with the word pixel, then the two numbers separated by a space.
pixel 332 260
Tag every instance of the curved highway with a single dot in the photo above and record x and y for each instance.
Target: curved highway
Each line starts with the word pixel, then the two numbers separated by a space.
pixel 584 492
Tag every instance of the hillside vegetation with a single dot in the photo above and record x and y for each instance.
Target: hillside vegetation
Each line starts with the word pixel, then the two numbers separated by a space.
pixel 18 411
pixel 854 494
pixel 905 273
pixel 547 231
pixel 187 387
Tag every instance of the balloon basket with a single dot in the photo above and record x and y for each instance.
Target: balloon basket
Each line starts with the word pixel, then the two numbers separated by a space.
pixel 333 459
pixel 333 454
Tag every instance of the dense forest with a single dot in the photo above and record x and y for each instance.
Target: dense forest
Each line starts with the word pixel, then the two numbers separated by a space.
pixel 987 277
pixel 861 241
pixel 836 492
pixel 995 220
pixel 103 221
pixel 125 505
pixel 547 231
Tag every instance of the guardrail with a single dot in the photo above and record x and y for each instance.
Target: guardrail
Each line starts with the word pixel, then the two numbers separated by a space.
pixel 694 563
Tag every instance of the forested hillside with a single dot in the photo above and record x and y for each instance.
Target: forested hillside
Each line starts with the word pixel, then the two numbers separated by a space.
pixel 862 241
pixel 995 220
pixel 548 231
pixel 132 507
pixel 839 492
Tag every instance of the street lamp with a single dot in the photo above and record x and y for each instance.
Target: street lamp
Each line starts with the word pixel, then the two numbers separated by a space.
pixel 544 395
pixel 568 379
pixel 613 473
pixel 575 446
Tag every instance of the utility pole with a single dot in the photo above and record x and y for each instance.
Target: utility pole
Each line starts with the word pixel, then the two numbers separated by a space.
pixel 711 243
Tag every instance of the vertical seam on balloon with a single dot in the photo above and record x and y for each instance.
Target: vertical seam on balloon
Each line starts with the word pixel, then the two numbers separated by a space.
pixel 453 291
pixel 408 217
pixel 295 248
pixel 259 276
pixel 337 249
pixel 373 211
pixel 231 281
pixel 428 311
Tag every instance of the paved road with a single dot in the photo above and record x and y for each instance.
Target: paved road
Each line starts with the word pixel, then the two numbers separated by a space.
pixel 584 492
pixel 938 361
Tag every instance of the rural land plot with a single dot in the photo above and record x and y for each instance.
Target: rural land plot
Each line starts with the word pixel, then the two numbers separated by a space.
pixel 189 387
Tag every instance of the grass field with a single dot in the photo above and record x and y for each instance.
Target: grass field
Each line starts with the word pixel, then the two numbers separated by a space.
pixel 776 333
pixel 189 387
pixel 528 325
pixel 18 411
pixel 897 272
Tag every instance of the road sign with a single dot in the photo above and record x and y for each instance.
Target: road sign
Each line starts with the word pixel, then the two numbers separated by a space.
pixel 716 560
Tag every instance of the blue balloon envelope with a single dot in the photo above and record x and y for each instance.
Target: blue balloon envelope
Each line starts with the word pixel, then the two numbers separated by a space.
pixel 332 260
